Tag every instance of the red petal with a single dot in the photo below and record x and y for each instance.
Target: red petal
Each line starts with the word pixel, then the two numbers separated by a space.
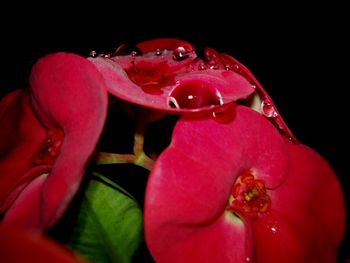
pixel 308 213
pixel 69 94
pixel 150 79
pixel 21 134
pixel 21 246
pixel 191 182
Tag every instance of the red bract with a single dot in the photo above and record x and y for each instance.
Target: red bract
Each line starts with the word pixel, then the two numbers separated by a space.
pixel 238 192
pixel 234 185
pixel 169 77
pixel 24 246
pixel 243 190
pixel 48 134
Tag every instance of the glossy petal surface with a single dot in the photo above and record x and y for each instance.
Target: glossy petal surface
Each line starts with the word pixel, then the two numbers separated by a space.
pixel 186 219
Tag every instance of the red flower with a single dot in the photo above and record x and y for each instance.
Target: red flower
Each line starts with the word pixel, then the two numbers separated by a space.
pixel 243 189
pixel 238 191
pixel 234 185
pixel 48 134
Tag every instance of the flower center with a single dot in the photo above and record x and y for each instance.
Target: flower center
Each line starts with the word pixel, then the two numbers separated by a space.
pixel 49 148
pixel 249 195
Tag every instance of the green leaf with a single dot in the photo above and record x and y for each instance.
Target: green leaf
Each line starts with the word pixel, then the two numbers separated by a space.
pixel 109 226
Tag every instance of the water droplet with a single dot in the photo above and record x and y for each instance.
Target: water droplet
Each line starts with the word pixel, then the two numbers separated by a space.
pixel 106 55
pixel 248 259
pixel 180 53
pixel 192 95
pixel 202 66
pixel 273 227
pixel 158 52
pixel 273 230
pixel 93 54
pixel 253 86
pixel 228 67
pixel 126 49
pixel 49 148
pixel 237 68
pixel 213 65
pixel 268 109
pixel 226 113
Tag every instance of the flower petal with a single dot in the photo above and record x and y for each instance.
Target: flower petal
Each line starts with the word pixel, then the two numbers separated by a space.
pixel 68 94
pixel 307 214
pixel 17 245
pixel 150 79
pixel 190 185
pixel 21 134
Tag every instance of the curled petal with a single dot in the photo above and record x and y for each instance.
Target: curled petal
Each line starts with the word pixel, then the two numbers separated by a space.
pixel 21 134
pixel 69 98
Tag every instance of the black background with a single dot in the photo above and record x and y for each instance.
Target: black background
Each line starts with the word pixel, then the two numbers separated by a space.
pixel 297 53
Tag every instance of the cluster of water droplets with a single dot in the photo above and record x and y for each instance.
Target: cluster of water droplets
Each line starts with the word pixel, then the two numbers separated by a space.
pixel 94 54
pixel 267 107
pixel 189 97
pixel 122 50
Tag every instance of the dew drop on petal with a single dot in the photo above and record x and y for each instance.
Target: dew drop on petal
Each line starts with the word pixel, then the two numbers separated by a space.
pixel 158 52
pixel 273 230
pixel 126 49
pixel 273 227
pixel 202 66
pixel 180 53
pixel 192 95
pixel 228 67
pixel 213 65
pixel 237 68
pixel 268 109
pixel 226 113
pixel 93 54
